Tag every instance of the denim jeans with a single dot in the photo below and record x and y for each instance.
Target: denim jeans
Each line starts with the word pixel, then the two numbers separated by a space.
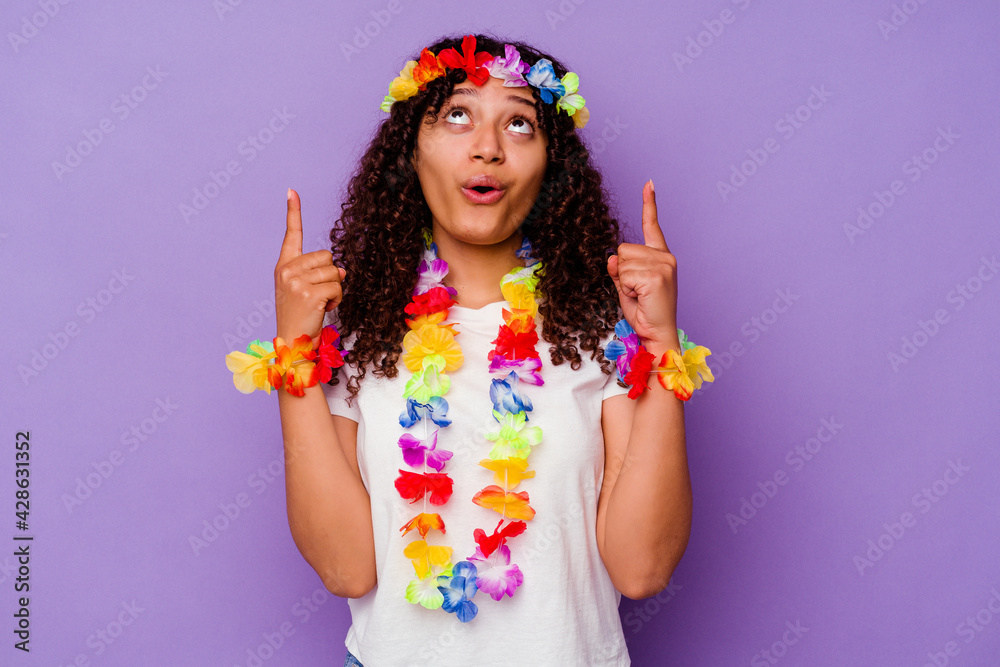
pixel 352 661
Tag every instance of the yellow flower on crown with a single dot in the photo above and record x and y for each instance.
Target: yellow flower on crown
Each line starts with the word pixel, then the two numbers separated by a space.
pixel 413 78
pixel 403 86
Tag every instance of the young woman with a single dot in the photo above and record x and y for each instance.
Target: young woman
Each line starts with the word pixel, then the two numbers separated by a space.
pixel 484 491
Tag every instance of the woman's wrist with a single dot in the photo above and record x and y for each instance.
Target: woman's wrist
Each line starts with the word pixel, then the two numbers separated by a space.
pixel 658 345
pixel 676 363
pixel 293 363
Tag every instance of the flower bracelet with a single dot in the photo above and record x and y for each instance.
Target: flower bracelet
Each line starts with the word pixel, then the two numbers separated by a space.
pixel 266 365
pixel 679 373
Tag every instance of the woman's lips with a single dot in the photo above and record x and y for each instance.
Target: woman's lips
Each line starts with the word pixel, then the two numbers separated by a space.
pixel 488 197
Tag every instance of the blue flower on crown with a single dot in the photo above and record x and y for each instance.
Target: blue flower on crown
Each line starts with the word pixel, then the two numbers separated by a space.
pixel 543 77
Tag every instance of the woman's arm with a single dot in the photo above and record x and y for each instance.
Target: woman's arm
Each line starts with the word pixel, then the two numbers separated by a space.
pixel 644 509
pixel 329 510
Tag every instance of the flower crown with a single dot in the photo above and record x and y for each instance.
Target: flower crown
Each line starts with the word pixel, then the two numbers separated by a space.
pixel 416 74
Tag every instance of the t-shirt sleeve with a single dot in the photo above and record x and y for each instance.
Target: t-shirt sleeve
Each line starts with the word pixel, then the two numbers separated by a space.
pixel 336 397
pixel 612 388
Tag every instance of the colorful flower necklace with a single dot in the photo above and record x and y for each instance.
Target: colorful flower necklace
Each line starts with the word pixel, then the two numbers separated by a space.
pixel 430 351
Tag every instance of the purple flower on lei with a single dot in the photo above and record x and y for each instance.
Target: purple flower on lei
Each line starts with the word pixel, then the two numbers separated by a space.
pixel 499 579
pixel 527 368
pixel 458 591
pixel 430 274
pixel 509 68
pixel 623 348
pixel 544 78
pixel 416 451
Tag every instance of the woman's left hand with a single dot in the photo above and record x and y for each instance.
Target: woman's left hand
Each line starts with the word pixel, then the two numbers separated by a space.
pixel 646 278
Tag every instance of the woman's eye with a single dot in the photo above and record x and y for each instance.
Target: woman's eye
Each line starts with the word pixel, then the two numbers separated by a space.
pixel 521 126
pixel 457 114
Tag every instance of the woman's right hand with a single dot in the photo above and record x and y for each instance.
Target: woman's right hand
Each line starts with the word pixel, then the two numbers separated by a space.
pixel 306 286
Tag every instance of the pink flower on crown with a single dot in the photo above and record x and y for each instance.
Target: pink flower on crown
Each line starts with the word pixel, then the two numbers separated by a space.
pixel 510 68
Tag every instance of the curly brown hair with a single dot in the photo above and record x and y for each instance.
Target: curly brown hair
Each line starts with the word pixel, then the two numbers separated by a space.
pixel 378 237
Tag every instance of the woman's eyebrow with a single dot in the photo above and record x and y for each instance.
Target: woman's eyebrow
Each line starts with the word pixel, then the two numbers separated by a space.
pixel 510 98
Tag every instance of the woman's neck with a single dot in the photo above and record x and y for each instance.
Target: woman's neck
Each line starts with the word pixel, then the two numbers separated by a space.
pixel 475 270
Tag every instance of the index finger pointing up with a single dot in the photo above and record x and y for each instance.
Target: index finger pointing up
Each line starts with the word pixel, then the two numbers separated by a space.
pixel 291 246
pixel 652 235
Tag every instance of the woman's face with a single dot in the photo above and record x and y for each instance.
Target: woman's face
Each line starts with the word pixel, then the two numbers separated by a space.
pixel 481 131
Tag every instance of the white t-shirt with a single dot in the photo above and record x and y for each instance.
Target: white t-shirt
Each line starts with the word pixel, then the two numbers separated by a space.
pixel 566 610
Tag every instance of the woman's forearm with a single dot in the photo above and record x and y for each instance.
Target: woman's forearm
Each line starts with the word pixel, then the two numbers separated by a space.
pixel 649 510
pixel 329 509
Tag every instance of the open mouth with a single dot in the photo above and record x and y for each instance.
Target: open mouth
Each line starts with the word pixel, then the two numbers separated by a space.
pixel 483 194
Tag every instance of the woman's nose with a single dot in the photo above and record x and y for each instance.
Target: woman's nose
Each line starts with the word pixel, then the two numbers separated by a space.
pixel 486 145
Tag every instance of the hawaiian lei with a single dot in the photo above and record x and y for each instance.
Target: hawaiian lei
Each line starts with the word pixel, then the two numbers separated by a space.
pixel 479 66
pixel 679 373
pixel 271 365
pixel 430 352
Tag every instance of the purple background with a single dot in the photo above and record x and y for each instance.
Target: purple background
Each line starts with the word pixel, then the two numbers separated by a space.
pixel 189 291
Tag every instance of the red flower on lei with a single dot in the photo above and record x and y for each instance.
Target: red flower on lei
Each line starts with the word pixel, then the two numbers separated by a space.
pixel 431 301
pixel 512 344
pixel 638 375
pixel 489 543
pixel 327 353
pixel 412 486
